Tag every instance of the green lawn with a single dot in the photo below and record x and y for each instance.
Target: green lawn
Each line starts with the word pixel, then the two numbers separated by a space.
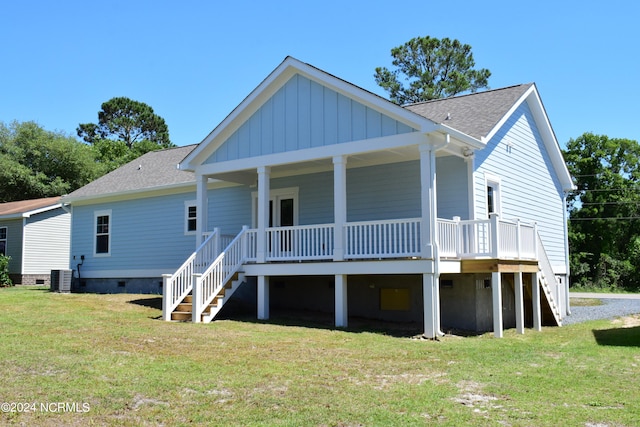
pixel 108 360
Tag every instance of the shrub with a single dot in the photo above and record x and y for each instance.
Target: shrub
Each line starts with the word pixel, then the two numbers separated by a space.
pixel 4 271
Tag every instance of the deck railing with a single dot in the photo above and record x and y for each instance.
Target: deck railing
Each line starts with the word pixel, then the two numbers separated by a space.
pixel 383 239
pixel 306 242
pixel 487 238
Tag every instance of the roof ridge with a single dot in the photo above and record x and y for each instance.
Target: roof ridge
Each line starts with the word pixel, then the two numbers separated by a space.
pixel 431 101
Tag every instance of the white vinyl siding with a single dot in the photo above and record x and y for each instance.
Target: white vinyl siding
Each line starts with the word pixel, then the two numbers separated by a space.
pixel 304 114
pixel 46 242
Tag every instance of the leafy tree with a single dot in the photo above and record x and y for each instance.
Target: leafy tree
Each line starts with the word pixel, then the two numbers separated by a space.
pixel 125 130
pixel 604 230
pixel 5 280
pixel 37 163
pixel 433 68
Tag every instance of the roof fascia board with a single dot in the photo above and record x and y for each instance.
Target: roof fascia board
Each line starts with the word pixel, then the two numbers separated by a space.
pixel 508 114
pixel 41 210
pixel 274 81
pixel 549 138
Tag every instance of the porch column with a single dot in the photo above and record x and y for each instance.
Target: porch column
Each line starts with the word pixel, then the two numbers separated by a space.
pixel 341 301
pixel 264 173
pixel 496 292
pixel 263 297
pixel 427 200
pixel 431 326
pixel 535 297
pixel 519 303
pixel 202 204
pixel 339 206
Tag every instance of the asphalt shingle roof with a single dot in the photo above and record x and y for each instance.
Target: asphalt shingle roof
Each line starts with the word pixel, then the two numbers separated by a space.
pixel 24 206
pixel 475 114
pixel 151 170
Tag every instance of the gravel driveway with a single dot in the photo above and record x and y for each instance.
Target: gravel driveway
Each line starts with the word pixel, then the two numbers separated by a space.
pixel 612 306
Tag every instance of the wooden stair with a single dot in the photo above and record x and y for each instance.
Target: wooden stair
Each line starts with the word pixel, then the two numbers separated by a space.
pixel 184 310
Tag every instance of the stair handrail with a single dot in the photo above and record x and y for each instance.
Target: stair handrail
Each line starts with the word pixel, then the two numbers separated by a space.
pixel 213 279
pixel 545 265
pixel 176 286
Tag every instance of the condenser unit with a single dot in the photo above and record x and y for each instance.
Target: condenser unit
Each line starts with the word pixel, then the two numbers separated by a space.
pixel 61 280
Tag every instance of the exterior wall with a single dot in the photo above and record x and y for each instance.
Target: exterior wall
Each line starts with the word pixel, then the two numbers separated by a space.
pixel 452 187
pixel 304 114
pixel 529 188
pixel 47 242
pixel 147 238
pixel 14 245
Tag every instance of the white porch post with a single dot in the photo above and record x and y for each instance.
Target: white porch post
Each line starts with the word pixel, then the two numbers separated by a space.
pixel 202 204
pixel 496 292
pixel 166 297
pixel 339 206
pixel 196 296
pixel 341 301
pixel 431 327
pixel 519 303
pixel 495 235
pixel 535 296
pixel 263 297
pixel 263 212
pixel 427 200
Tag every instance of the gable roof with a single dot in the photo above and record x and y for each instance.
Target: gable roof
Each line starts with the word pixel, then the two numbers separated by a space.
pixel 475 114
pixel 153 170
pixel 26 208
pixel 274 81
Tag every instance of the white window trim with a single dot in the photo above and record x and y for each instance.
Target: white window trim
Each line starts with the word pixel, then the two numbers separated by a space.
pixel 275 195
pixel 96 214
pixel 5 240
pixel 188 204
pixel 496 183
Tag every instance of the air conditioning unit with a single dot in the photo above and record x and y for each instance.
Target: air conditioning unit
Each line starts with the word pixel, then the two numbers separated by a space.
pixel 61 280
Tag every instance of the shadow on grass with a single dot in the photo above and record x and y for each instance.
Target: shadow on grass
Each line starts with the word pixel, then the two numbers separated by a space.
pixel 621 337
pixel 151 302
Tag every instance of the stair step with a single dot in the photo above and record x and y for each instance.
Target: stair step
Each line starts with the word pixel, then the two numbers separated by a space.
pixel 182 316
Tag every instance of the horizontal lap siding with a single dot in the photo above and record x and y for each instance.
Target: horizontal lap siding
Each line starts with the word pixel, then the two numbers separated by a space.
pixel 388 191
pixel 530 189
pixel 452 187
pixel 304 114
pixel 47 241
pixel 230 209
pixel 146 234
pixel 14 244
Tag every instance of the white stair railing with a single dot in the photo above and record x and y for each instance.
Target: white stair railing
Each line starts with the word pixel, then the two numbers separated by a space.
pixel 176 286
pixel 209 284
pixel 548 281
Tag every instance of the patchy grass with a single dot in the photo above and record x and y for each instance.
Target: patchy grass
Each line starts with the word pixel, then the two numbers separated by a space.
pixel 111 361
pixel 585 302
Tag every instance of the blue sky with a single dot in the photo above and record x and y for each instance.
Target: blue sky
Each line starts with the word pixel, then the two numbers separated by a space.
pixel 195 61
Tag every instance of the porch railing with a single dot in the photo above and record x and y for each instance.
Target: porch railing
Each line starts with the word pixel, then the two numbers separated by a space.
pixel 308 242
pixel 487 238
pixel 383 239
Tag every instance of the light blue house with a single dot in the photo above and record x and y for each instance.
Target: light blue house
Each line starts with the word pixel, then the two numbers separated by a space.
pixel 319 195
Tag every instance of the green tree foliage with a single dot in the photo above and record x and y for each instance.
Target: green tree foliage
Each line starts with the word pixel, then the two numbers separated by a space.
pixel 433 69
pixel 38 163
pixel 125 130
pixel 604 226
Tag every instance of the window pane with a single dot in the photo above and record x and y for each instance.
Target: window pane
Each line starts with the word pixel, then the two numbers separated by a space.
pixel 490 202
pixel 102 244
pixel 286 212
pixel 3 248
pixel 3 233
pixel 102 225
pixel 191 225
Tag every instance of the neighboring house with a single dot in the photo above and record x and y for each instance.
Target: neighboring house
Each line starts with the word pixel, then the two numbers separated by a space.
pixel 323 196
pixel 35 234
